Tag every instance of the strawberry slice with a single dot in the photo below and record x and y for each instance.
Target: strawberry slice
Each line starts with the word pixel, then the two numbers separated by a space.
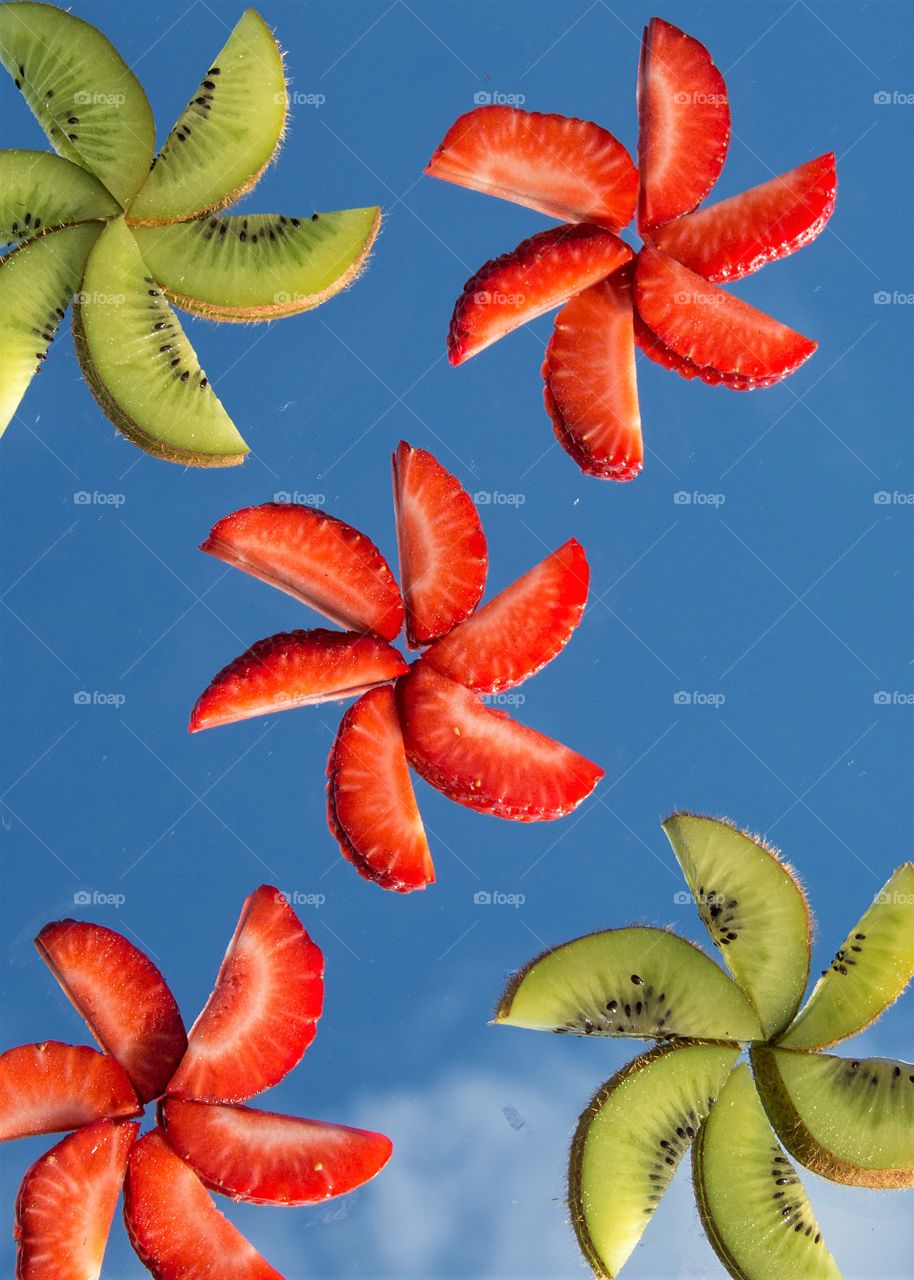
pixel 590 392
pixel 661 354
pixel 295 669
pixel 520 630
pixel 711 328
pixel 570 169
pixel 737 236
pixel 482 758
pixel 176 1230
pixel 541 273
pixel 371 807
pixel 316 558
pixel 683 123
pixel 264 1158
pixel 123 998
pixel 67 1200
pixel 263 1011
pixel 443 553
pixel 51 1087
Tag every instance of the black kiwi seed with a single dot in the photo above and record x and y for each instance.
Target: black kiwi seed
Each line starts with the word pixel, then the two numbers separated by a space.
pixel 72 119
pixel 208 84
pixel 639 982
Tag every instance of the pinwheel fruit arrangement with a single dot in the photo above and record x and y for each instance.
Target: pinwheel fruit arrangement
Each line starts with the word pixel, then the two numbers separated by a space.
pixel 257 1024
pixel 663 298
pixel 431 714
pixel 125 233
pixel 847 1119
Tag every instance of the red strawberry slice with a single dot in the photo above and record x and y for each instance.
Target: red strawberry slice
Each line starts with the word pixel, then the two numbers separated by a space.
pixel 541 273
pixel 652 347
pixel 51 1087
pixel 482 758
pixel 591 393
pixel 67 1200
pixel 264 1158
pixel 317 559
pixel 371 807
pixel 123 998
pixel 711 328
pixel 295 669
pixel 569 169
pixel 520 630
pixel 176 1230
pixel 443 553
pixel 737 236
pixel 683 123
pixel 263 1011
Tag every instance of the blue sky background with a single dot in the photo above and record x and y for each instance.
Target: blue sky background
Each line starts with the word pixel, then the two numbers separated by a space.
pixel 789 597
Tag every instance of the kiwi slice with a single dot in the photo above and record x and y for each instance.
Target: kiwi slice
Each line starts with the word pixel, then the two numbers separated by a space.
pixel 139 364
pixel 630 1140
pixel 753 908
pixel 40 191
pixel 227 134
pixel 848 1119
pixel 260 266
pixel 751 1201
pixel 37 282
pixel 81 91
pixel 869 972
pixel 636 982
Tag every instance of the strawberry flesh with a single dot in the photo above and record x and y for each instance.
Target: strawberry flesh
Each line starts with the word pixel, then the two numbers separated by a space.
pixel 263 1011
pixel 541 273
pixel 521 629
pixel 123 998
pixel 295 669
pixel 316 558
pixel 52 1087
pixel 264 1158
pixel 482 758
pixel 683 124
pixel 569 169
pixel 443 553
pixel 648 342
pixel 371 806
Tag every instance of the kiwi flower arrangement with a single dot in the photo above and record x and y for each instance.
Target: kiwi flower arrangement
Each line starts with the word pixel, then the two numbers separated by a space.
pixel 125 233
pixel 847 1119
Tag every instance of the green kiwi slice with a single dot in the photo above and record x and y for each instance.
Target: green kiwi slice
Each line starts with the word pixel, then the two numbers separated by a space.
pixel 848 1119
pixel 81 91
pixel 753 1207
pixel 40 191
pixel 37 282
pixel 139 364
pixel 258 266
pixel 636 982
pixel 630 1140
pixel 227 134
pixel 753 908
pixel 869 972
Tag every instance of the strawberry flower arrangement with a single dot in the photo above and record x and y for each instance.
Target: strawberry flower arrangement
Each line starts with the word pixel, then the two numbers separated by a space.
pixel 430 714
pixel 259 1020
pixel 664 298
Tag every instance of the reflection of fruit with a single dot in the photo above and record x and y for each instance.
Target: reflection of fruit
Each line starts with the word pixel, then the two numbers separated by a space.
pixel 576 171
pixel 436 720
pixel 850 1120
pixel 128 233
pixel 257 1024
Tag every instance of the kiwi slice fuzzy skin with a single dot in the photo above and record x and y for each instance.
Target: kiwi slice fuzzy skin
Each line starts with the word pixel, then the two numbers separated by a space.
pixel 752 1204
pixel 637 982
pixel 37 281
pixel 754 909
pixel 81 91
pixel 40 192
pixel 259 266
pixel 851 1120
pixel 140 365
pixel 226 136
pixel 869 972
pixel 630 1140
